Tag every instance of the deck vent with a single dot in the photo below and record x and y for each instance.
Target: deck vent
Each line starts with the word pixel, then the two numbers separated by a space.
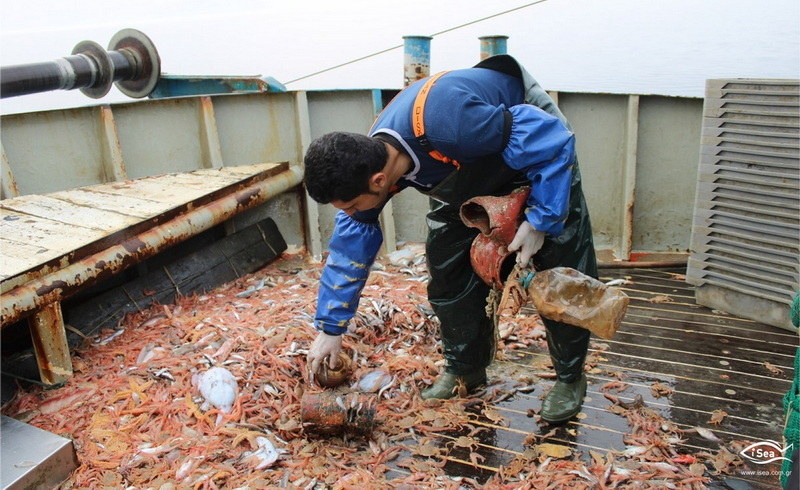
pixel 746 232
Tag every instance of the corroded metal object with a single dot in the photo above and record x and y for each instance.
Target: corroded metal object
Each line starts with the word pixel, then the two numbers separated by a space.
pixel 331 378
pixel 131 250
pixel 493 45
pixel 497 218
pixel 331 413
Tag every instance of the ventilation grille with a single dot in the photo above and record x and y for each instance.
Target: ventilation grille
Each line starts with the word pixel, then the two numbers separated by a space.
pixel 746 230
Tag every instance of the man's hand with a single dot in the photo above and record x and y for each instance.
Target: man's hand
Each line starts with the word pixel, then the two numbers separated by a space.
pixel 528 241
pixel 324 346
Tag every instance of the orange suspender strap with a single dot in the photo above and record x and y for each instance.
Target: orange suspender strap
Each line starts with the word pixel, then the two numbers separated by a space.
pixel 418 121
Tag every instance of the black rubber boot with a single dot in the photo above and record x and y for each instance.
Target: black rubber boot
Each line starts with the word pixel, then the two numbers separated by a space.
pixel 447 385
pixel 564 401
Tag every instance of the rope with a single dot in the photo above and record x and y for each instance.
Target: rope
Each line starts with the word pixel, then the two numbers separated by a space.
pixel 450 29
pixel 794 310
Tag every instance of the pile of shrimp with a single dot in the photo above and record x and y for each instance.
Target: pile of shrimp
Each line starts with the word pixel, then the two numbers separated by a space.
pixel 136 417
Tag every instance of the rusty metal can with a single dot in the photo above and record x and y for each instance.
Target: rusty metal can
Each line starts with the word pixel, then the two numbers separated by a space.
pixel 332 413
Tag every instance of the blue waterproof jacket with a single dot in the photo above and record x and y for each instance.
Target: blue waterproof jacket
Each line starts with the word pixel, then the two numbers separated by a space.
pixel 469 115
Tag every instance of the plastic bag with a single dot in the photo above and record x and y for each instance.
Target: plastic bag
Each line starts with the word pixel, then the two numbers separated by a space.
pixel 567 295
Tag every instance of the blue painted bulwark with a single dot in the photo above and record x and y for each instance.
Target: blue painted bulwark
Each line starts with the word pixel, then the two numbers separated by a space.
pixel 493 45
pixel 186 85
pixel 417 58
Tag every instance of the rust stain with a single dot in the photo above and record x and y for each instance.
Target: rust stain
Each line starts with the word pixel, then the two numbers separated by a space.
pixel 49 288
pixel 245 198
pixel 133 245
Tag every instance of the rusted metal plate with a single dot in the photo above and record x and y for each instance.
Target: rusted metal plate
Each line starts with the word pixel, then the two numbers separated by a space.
pixel 66 212
pixel 93 197
pixel 241 170
pixel 165 190
pixel 17 255
pixel 45 232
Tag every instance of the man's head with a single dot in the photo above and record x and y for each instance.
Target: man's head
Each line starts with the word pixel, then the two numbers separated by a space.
pixel 340 166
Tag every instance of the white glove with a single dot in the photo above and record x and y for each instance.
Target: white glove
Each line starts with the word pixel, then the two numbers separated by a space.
pixel 324 347
pixel 528 241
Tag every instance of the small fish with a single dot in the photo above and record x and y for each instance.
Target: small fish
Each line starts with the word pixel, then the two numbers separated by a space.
pixel 634 451
pixel 111 337
pixel 707 434
pixel 526 388
pixel 152 321
pixel 264 457
pixel 164 374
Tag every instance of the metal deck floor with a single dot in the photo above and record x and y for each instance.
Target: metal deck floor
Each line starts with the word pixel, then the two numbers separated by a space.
pixel 709 359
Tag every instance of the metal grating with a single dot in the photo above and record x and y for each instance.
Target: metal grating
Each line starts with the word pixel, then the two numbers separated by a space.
pixel 746 230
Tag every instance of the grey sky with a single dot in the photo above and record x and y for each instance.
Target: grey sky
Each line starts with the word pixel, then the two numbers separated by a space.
pixel 621 46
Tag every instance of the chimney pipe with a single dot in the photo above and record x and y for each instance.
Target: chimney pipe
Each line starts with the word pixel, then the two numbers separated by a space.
pixel 417 58
pixel 492 45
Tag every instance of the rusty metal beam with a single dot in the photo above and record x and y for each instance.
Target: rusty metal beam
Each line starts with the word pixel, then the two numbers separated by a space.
pixel 50 344
pixel 64 282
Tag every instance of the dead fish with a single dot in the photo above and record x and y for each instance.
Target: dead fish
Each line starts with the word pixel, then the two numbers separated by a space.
pixel 111 337
pixel 148 353
pixel 264 457
pixel 634 451
pixel 526 388
pixel 187 467
pixel 164 374
pixel 56 403
pixel 225 349
pixel 252 289
pixel 584 473
pixel 152 321
pixel 664 466
pixel 707 434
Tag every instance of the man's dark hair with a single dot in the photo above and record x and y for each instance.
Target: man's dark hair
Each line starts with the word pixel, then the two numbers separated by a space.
pixel 339 165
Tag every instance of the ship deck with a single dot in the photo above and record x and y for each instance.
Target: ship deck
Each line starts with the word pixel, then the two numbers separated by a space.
pixel 685 361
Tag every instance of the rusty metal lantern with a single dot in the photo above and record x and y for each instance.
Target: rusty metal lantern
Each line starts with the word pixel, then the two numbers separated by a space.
pixel 497 218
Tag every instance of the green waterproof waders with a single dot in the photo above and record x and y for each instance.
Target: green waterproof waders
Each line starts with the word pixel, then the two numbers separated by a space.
pixel 458 295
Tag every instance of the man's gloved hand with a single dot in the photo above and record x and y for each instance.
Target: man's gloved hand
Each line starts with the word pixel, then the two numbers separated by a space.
pixel 528 241
pixel 324 347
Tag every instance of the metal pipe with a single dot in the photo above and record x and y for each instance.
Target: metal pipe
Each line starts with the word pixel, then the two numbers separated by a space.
pixel 416 58
pixel 492 45
pixel 132 61
pixel 64 282
pixel 645 264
